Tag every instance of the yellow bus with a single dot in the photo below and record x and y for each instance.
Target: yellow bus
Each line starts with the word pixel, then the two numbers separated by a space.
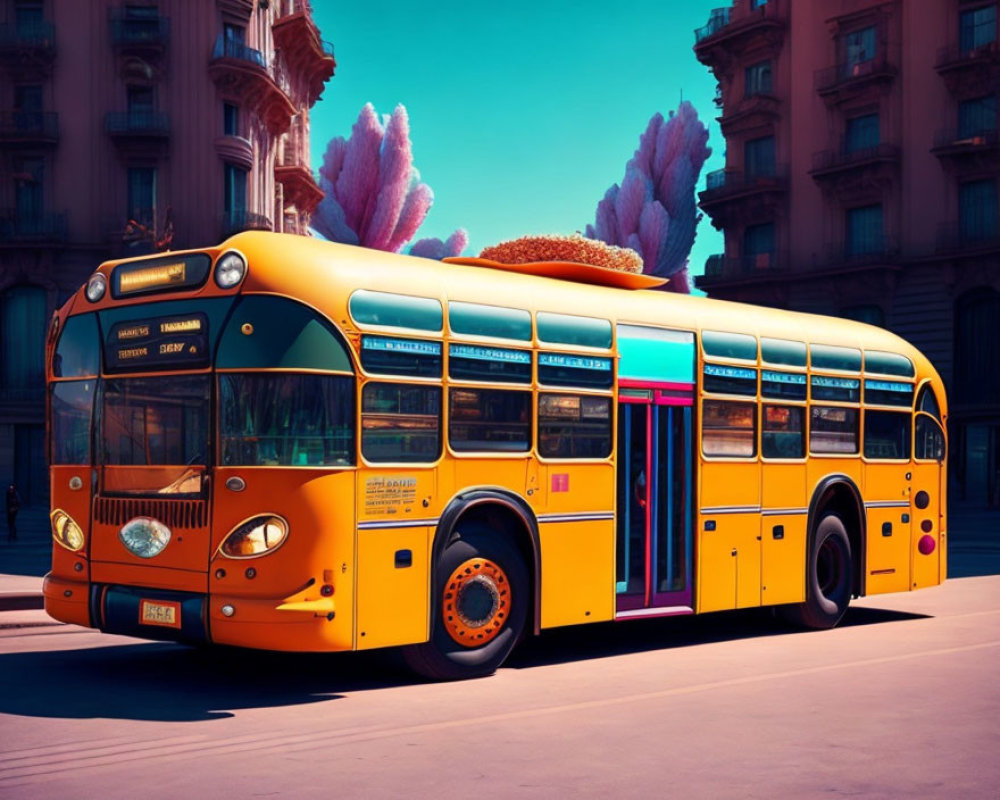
pixel 289 444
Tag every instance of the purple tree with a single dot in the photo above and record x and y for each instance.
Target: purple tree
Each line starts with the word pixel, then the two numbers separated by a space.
pixel 654 210
pixel 373 194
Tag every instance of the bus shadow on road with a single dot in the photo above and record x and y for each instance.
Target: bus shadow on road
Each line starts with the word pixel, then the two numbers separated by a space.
pixel 608 639
pixel 172 683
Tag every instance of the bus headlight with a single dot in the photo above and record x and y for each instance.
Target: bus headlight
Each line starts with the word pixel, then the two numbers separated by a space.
pixel 144 537
pixel 229 270
pixel 96 287
pixel 255 537
pixel 65 530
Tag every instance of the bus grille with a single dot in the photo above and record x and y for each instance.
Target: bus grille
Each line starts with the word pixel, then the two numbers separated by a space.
pixel 172 513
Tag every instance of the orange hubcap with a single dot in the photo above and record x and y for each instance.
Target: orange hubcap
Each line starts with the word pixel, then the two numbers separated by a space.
pixel 475 602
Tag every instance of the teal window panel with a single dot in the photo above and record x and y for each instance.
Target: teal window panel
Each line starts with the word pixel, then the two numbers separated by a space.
pixel 655 354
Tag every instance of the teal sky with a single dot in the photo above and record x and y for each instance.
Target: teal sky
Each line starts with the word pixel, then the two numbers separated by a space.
pixel 522 114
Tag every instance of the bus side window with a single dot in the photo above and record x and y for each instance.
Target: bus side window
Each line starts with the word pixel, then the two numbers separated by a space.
pixel 929 439
pixel 729 429
pixel 783 434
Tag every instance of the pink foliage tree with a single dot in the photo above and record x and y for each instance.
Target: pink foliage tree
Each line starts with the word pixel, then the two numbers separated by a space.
pixel 654 210
pixel 373 194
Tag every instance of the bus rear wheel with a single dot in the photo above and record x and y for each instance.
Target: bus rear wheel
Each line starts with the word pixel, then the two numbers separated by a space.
pixel 829 578
pixel 481 588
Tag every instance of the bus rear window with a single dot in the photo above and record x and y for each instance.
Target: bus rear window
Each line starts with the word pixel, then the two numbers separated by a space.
pixel 400 422
pixel 283 419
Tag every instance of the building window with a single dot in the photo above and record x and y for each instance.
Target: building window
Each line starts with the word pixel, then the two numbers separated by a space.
pixel 755 4
pixel 864 230
pixel 859 49
pixel 759 157
pixel 977 347
pixel 871 314
pixel 758 246
pixel 977 210
pixel 28 16
pixel 230 119
pixel 977 27
pixel 757 79
pixel 28 182
pixel 976 117
pixel 862 133
pixel 234 190
pixel 142 195
pixel 22 342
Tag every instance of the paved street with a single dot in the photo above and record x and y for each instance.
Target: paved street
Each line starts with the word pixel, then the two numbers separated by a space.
pixel 900 701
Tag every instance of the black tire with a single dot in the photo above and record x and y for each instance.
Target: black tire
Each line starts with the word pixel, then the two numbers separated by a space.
pixel 445 659
pixel 829 578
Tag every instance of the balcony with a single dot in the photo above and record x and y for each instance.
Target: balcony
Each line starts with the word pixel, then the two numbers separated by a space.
pixel 33 228
pixel 833 163
pixel 750 112
pixel 242 220
pixel 969 71
pixel 720 269
pixel 874 251
pixel 973 237
pixel 28 44
pixel 300 185
pixel 957 147
pixel 242 72
pixel 731 30
pixel 29 128
pixel 833 83
pixel 139 36
pixel 139 132
pixel 307 56
pixel 729 190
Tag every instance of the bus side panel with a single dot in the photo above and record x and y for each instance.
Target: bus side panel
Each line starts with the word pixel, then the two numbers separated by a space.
pixel 783 536
pixel 728 546
pixel 578 572
pixel 888 550
pixel 393 592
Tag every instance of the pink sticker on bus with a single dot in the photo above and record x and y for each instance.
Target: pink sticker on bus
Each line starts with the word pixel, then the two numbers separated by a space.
pixel 560 482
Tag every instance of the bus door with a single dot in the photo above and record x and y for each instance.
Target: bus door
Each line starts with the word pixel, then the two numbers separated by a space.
pixel 655 482
pixel 926 490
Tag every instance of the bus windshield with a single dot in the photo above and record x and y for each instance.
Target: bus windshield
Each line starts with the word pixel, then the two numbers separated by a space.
pixel 155 422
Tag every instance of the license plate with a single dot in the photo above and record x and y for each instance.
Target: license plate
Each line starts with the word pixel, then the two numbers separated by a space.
pixel 160 612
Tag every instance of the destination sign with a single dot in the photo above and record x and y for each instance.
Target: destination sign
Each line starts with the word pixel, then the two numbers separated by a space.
pixel 179 342
pixel 161 274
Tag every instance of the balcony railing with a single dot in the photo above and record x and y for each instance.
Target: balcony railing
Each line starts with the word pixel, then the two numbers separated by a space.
pixel 137 123
pixel 723 182
pixel 240 220
pixel 957 57
pixel 34 35
pixel 873 249
pixel 32 126
pixel 717 20
pixel 229 48
pixel 844 74
pixel 975 233
pixel 18 226
pixel 842 158
pixel 719 268
pixel 133 32
pixel 952 141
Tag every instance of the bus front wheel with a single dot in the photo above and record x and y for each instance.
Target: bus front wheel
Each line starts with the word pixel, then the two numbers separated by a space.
pixel 481 587
pixel 828 578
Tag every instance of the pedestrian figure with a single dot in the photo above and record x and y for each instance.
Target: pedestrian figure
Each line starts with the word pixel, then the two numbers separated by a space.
pixel 13 506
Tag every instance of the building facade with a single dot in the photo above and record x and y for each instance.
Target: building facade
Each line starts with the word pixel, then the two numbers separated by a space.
pixel 129 127
pixel 861 180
